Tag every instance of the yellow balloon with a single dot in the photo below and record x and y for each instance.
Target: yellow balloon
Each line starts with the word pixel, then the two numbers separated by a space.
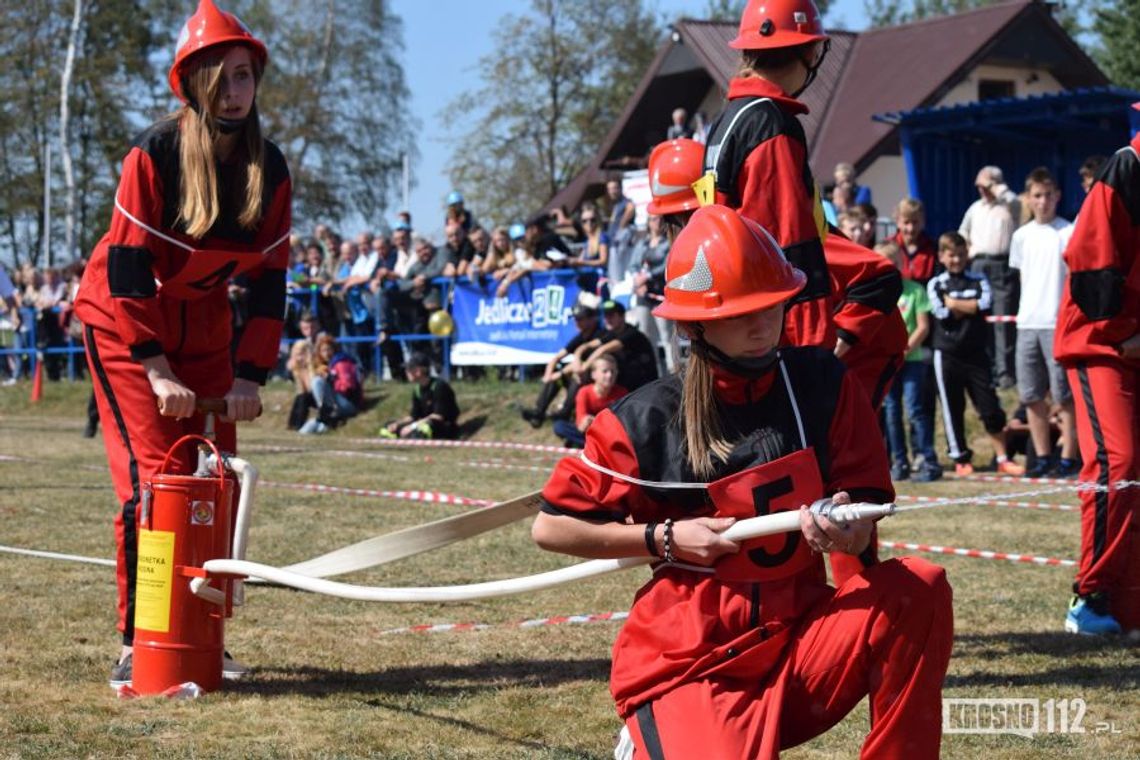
pixel 441 324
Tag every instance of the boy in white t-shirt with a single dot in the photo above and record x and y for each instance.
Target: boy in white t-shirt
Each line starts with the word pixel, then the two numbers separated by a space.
pixel 1037 250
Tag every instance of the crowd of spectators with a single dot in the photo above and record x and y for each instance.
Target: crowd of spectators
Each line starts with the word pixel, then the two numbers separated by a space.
pixel 36 315
pixel 351 297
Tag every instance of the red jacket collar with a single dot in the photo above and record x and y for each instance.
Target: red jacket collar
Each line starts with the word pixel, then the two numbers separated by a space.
pixel 734 389
pixel 757 87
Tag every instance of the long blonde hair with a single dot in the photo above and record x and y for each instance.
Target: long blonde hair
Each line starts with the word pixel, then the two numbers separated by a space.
pixel 199 203
pixel 705 441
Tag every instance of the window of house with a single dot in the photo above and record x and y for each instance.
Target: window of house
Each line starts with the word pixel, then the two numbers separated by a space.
pixel 991 89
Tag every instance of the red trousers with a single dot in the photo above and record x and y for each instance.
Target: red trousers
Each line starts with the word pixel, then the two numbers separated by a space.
pixel 1108 429
pixel 137 437
pixel 886 633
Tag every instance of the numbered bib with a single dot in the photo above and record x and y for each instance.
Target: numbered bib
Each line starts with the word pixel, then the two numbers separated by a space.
pixel 783 485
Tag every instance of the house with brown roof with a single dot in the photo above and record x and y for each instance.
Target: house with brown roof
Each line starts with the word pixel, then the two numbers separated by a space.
pixel 1010 50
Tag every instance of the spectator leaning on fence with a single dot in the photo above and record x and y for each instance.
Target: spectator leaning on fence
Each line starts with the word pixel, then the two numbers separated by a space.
pixel 596 247
pixel 457 211
pixel 620 211
pixel 480 245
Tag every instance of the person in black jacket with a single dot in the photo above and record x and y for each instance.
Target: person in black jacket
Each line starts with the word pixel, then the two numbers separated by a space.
pixel 637 357
pixel 435 412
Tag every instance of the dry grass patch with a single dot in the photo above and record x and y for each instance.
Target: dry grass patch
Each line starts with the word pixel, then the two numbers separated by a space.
pixel 329 683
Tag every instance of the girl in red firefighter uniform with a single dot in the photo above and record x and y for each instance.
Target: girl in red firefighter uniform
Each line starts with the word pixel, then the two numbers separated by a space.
pixel 738 650
pixel 1098 342
pixel 757 156
pixel 202 199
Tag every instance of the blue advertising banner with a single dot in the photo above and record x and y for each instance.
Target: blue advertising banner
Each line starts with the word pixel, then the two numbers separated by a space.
pixel 529 326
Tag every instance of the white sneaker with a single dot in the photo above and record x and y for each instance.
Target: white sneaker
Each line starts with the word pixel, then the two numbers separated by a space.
pixel 232 670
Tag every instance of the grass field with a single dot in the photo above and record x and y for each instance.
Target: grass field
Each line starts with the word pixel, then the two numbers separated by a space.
pixel 331 683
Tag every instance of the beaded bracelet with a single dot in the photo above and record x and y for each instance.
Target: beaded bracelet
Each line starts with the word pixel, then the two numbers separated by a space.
pixel 668 554
pixel 651 539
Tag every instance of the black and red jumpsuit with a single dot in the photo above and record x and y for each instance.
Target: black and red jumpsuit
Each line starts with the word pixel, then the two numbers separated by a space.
pixel 1100 309
pixel 151 290
pixel 758 153
pixel 759 653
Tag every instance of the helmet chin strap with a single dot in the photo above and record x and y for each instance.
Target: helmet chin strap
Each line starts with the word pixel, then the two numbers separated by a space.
pixel 224 126
pixel 229 126
pixel 813 69
pixel 751 368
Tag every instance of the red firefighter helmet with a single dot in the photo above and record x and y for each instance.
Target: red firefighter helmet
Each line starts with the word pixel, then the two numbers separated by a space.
pixel 722 265
pixel 210 27
pixel 673 168
pixel 768 24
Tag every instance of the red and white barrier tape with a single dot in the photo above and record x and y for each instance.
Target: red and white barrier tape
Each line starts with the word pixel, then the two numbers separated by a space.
pixel 418 443
pixel 260 449
pixel 983 478
pixel 602 617
pixel 997 503
pixel 976 553
pixel 433 497
pixel 999 318
pixel 492 465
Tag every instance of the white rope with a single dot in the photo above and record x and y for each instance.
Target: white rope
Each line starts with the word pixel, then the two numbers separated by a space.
pixel 56 555
pixel 780 522
pixel 173 241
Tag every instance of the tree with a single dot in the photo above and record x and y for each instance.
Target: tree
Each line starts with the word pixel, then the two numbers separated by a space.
pixel 111 94
pixel 1118 25
pixel 726 11
pixel 337 103
pixel 555 84
pixel 729 11
pixel 893 12
pixel 334 99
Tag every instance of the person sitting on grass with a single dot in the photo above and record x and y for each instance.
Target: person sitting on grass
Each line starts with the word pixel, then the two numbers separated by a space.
pixel 590 400
pixel 558 375
pixel 336 388
pixel 435 412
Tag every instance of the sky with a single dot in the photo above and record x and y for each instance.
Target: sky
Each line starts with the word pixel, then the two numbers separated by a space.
pixel 443 42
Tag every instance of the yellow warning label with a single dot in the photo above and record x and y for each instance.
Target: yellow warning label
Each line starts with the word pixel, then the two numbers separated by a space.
pixel 818 213
pixel 705 188
pixel 154 580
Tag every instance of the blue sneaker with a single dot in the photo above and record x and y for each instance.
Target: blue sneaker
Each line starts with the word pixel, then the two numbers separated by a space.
pixel 1067 468
pixel 1042 466
pixel 900 471
pixel 928 473
pixel 1089 615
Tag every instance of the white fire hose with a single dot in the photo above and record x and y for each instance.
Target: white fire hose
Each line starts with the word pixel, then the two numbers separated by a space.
pixel 781 522
pixel 248 473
